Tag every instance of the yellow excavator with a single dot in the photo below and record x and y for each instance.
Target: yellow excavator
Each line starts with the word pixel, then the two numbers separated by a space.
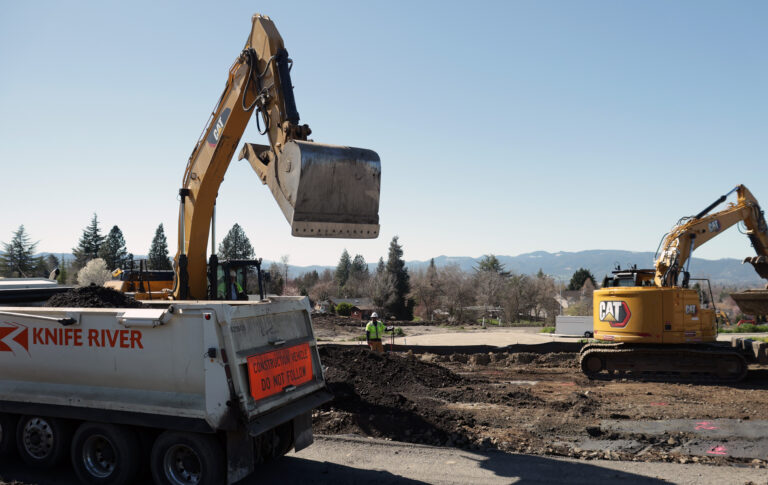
pixel 323 190
pixel 650 324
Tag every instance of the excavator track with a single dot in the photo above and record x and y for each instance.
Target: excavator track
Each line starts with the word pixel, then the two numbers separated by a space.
pixel 705 363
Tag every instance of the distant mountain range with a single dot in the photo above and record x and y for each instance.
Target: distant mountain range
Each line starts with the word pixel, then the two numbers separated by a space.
pixel 563 264
pixel 600 262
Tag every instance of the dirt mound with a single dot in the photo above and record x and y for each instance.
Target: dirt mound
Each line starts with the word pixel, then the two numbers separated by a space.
pixel 92 297
pixel 374 372
pixel 384 395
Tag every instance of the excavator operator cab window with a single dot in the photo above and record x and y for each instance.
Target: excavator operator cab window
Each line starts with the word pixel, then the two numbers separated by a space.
pixel 231 282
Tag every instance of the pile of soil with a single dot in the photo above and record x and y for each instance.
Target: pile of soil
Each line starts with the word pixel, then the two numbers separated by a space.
pixel 93 297
pixel 382 395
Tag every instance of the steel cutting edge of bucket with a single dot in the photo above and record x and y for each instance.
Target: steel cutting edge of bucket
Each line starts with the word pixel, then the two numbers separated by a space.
pixel 323 190
pixel 760 263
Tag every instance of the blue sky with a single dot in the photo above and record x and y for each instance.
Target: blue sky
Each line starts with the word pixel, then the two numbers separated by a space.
pixel 503 127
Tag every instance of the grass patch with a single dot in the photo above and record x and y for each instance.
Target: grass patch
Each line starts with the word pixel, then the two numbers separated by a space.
pixel 488 321
pixel 746 328
pixel 547 330
pixel 524 323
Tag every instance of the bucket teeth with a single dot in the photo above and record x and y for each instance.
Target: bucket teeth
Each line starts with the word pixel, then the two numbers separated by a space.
pixel 760 263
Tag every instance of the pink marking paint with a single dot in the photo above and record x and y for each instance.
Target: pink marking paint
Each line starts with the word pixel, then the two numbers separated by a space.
pixel 718 450
pixel 706 425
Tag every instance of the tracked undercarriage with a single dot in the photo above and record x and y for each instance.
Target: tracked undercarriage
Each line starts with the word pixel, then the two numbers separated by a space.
pixel 712 363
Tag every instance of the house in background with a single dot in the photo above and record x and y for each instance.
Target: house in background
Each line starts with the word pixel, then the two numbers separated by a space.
pixel 361 307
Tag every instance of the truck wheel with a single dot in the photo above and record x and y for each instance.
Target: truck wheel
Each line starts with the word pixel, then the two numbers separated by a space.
pixel 588 334
pixel 274 443
pixel 105 454
pixel 7 434
pixel 186 459
pixel 42 442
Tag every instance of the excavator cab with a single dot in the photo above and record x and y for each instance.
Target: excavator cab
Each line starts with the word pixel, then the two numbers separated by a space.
pixel 229 279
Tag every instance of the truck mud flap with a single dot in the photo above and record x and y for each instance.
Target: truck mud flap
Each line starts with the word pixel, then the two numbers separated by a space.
pixel 288 412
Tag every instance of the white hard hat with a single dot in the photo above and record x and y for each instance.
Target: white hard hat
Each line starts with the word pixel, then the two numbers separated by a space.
pixel 374 315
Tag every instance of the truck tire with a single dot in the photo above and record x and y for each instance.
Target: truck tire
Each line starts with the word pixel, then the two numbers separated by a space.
pixel 187 458
pixel 7 434
pixel 43 442
pixel 274 443
pixel 105 454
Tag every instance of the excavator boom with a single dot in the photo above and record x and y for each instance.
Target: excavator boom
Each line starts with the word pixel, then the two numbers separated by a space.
pixel 323 190
pixel 692 232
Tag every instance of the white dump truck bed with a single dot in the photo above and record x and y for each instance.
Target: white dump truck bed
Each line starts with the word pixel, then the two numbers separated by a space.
pixel 196 366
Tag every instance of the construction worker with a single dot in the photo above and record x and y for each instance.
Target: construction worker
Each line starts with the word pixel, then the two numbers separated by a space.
pixel 232 289
pixel 374 332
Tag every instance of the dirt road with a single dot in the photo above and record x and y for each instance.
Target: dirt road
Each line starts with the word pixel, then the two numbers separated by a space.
pixel 338 460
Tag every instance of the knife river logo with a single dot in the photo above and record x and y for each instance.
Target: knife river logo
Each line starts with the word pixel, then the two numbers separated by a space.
pixel 615 313
pixel 14 337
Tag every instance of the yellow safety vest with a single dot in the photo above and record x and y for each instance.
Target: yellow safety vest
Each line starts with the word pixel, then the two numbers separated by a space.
pixel 375 331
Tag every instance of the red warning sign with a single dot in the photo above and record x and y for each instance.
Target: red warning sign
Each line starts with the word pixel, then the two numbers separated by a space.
pixel 272 372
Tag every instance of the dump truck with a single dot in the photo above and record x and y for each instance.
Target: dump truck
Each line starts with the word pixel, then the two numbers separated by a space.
pixel 200 387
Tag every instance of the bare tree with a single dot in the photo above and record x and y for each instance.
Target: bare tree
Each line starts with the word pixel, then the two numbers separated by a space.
pixel 284 266
pixel 519 298
pixel 381 290
pixel 322 291
pixel 458 291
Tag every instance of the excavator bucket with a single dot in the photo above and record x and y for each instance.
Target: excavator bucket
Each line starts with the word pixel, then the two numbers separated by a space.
pixel 752 302
pixel 323 190
pixel 760 263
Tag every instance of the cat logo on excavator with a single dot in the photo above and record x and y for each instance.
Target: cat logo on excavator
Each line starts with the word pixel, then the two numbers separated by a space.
pixel 615 313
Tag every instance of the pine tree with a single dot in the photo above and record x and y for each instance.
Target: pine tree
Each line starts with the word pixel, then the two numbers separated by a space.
pixel 381 267
pixel 579 277
pixel 236 245
pixel 342 269
pixel 158 252
pixel 113 250
pixel 17 259
pixel 401 306
pixel 359 268
pixel 491 263
pixel 89 244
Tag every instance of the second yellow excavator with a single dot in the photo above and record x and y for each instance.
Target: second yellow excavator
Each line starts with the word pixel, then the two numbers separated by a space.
pixel 651 325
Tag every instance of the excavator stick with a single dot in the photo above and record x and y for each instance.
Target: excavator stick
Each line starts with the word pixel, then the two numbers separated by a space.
pixel 323 190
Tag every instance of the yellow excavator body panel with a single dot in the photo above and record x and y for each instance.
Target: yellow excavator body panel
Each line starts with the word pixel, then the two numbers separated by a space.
pixel 652 315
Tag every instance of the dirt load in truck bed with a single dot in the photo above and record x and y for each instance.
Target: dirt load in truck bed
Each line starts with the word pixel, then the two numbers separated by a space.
pixel 531 403
pixel 93 297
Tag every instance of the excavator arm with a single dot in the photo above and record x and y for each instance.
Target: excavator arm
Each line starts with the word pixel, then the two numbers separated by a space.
pixel 692 232
pixel 323 190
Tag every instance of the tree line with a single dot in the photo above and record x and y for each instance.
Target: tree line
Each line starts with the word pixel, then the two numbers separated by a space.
pixel 19 260
pixel 445 291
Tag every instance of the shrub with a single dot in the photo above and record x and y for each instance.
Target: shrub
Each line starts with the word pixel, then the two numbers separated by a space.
pixel 94 273
pixel 344 309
